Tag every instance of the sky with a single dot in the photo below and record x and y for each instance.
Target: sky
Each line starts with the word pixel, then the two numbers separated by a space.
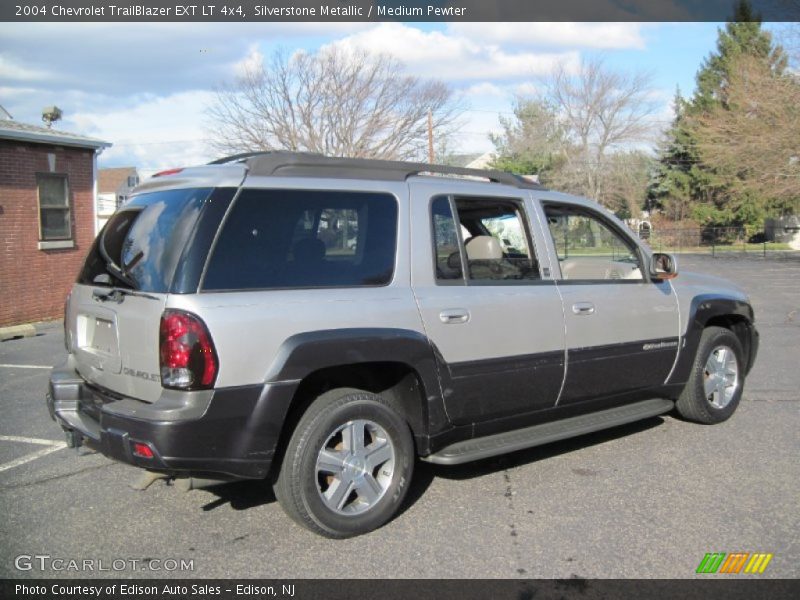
pixel 145 87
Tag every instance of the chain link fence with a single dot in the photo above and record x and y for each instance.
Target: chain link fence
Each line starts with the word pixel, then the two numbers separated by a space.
pixel 715 241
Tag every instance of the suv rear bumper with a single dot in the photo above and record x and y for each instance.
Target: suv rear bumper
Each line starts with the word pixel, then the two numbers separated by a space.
pixel 230 431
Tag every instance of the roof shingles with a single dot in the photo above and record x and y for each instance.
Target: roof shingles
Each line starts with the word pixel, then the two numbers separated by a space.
pixel 14 130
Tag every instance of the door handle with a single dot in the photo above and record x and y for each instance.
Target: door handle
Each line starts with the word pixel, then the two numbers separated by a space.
pixel 583 308
pixel 453 316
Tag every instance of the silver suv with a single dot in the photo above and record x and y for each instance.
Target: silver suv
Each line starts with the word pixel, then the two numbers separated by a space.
pixel 322 323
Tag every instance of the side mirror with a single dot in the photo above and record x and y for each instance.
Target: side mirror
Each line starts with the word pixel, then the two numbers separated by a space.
pixel 663 266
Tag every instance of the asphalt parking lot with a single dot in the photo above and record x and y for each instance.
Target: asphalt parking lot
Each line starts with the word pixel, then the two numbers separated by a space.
pixel 644 500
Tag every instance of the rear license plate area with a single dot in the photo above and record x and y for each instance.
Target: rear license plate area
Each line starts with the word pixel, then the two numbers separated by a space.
pixel 104 339
pixel 97 335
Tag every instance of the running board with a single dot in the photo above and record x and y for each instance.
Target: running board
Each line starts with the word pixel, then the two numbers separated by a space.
pixel 519 439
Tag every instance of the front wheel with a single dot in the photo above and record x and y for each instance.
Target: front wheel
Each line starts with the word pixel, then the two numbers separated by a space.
pixel 715 385
pixel 347 466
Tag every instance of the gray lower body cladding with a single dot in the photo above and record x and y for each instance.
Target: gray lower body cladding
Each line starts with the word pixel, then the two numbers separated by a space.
pixel 231 431
pixel 703 311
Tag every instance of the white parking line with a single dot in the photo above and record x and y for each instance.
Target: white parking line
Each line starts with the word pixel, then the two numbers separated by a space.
pixel 52 446
pixel 27 440
pixel 9 366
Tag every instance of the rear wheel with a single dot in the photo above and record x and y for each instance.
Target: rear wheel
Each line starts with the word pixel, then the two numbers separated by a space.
pixel 715 386
pixel 347 466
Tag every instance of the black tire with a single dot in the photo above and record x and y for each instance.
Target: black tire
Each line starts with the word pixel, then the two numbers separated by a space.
pixel 694 403
pixel 313 496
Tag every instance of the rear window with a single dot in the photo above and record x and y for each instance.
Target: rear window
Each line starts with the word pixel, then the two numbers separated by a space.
pixel 305 238
pixel 141 244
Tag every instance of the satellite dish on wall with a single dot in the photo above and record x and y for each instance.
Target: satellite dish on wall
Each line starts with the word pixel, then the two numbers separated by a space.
pixel 51 114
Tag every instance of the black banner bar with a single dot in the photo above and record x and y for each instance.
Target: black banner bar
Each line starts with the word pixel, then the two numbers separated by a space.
pixel 730 588
pixel 389 10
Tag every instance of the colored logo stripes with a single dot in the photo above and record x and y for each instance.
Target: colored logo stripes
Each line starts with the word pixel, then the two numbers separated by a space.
pixel 719 562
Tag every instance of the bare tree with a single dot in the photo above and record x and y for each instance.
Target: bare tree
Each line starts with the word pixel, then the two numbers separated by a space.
pixel 626 183
pixel 332 102
pixel 603 111
pixel 752 135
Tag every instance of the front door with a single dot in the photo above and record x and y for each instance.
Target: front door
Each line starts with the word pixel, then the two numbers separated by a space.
pixel 622 329
pixel 496 324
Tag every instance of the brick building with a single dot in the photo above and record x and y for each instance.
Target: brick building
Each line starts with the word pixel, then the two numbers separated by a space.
pixel 47 217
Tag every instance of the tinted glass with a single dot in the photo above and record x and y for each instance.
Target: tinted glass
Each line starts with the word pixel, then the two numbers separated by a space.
pixel 445 240
pixel 146 239
pixel 305 238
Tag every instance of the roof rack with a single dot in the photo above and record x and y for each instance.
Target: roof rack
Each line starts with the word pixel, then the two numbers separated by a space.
pixel 304 164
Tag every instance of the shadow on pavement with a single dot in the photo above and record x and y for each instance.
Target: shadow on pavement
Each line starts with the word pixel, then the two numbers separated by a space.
pixel 242 495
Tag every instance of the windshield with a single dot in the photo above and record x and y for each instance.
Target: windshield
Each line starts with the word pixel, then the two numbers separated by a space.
pixel 141 244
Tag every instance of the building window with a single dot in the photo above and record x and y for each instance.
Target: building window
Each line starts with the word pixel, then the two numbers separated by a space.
pixel 54 221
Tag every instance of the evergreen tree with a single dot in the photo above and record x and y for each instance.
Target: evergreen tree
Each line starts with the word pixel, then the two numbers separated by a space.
pixel 682 178
pixel 671 189
pixel 742 35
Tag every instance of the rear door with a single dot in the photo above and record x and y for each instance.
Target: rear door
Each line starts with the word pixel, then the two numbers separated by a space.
pixel 621 328
pixel 115 308
pixel 495 322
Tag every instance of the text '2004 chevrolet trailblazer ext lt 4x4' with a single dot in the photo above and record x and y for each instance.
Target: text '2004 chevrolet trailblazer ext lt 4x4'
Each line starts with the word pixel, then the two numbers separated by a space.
pixel 323 322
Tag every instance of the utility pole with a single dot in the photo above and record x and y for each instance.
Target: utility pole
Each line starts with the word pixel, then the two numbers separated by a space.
pixel 430 137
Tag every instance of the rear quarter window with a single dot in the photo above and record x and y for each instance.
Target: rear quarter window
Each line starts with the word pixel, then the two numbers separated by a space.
pixel 305 239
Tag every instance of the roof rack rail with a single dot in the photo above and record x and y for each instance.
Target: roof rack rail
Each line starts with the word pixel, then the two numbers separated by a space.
pixel 317 165
pixel 238 157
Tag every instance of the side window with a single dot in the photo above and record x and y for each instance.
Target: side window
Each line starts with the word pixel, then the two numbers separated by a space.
pixel 305 238
pixel 494 244
pixel 445 241
pixel 588 248
pixel 54 220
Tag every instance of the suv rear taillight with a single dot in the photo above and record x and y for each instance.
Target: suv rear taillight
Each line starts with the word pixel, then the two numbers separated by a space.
pixel 167 172
pixel 188 358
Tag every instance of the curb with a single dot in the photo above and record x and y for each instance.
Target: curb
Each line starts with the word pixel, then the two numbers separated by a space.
pixel 17 331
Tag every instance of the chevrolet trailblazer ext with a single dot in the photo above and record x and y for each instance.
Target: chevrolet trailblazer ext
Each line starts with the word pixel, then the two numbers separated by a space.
pixel 322 322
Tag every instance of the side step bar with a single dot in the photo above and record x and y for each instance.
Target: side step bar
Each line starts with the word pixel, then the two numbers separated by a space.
pixel 519 439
